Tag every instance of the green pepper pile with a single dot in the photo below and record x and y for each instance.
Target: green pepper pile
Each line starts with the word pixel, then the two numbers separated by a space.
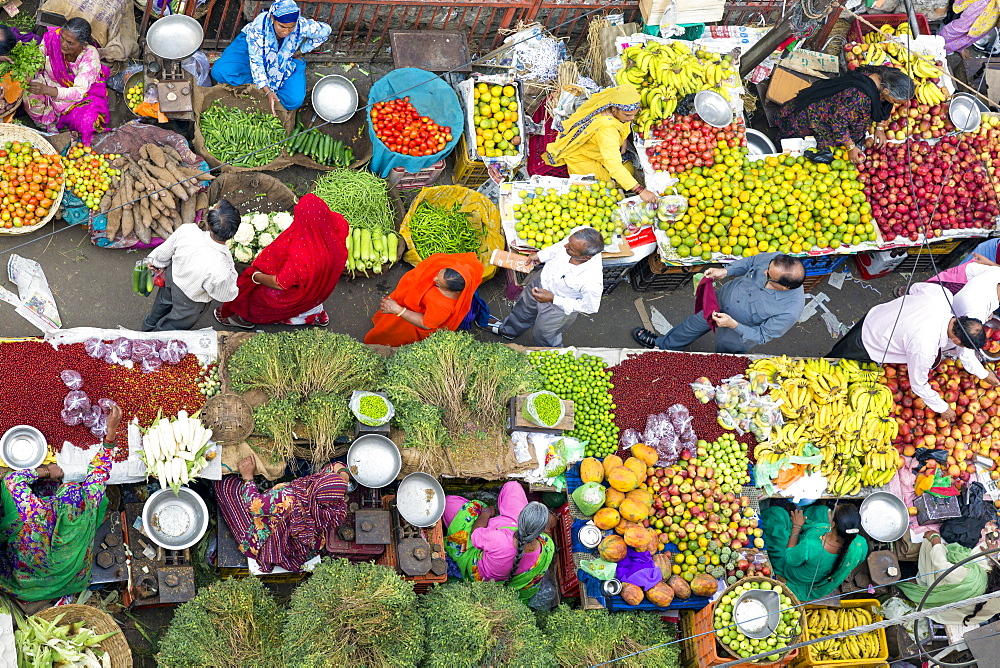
pixel 243 138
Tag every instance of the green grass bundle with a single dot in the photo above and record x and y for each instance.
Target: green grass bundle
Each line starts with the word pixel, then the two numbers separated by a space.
pixel 360 615
pixel 230 624
pixel 472 624
pixel 591 637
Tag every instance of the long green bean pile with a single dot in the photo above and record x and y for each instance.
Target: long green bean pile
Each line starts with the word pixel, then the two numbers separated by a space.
pixel 360 197
pixel 438 230
pixel 236 136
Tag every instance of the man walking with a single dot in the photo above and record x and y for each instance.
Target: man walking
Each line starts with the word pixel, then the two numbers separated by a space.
pixel 199 269
pixel 763 303
pixel 570 283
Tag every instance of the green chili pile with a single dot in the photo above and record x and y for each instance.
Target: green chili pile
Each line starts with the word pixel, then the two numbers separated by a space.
pixel 236 136
pixel 360 197
pixel 439 230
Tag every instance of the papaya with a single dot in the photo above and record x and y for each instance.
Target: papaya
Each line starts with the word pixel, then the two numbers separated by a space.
pixel 622 479
pixel 612 548
pixel 643 496
pixel 660 595
pixel 665 563
pixel 682 590
pixel 610 462
pixel 613 498
pixel 633 511
pixel 646 454
pixel 607 518
pixel 591 470
pixel 704 585
pixel 637 537
pixel 623 526
pixel 632 594
pixel 638 467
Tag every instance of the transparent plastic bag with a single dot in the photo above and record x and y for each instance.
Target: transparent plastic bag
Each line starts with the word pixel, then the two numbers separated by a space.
pixel 76 400
pixel 72 379
pixel 91 417
pixel 355 405
pixel 151 364
pixel 122 348
pixel 173 351
pixel 106 404
pixel 71 417
pixel 100 427
pixel 704 390
pixel 680 418
pixel 726 420
pixel 555 460
pixel 628 438
pixel 662 437
pixel 95 348
pixel 599 568
pixel 530 411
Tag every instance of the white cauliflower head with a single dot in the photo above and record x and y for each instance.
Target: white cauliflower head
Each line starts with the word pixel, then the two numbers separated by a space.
pixel 242 254
pixel 244 233
pixel 260 221
pixel 265 239
pixel 282 220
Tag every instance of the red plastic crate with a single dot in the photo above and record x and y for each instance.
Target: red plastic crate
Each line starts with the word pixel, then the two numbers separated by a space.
pixel 859 30
pixel 703 651
pixel 569 583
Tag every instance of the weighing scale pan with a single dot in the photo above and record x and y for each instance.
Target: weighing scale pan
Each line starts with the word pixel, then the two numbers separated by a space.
pixel 420 499
pixel 23 447
pixel 374 461
pixel 174 37
pixel 175 521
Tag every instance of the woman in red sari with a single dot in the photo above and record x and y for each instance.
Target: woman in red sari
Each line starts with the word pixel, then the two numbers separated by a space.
pixel 292 277
pixel 436 294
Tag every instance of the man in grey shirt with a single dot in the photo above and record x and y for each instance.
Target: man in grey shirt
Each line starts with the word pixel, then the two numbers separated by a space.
pixel 762 303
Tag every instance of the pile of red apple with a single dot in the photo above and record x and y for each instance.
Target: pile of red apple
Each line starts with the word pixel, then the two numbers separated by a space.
pixel 918 188
pixel 919 120
pixel 976 429
pixel 989 135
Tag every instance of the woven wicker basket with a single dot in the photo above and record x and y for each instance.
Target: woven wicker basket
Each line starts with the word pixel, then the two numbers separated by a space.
pixel 774 583
pixel 100 622
pixel 11 132
pixel 229 417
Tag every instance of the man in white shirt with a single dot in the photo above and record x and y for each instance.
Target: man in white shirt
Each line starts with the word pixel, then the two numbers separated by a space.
pixel 199 268
pixel 917 330
pixel 570 283
pixel 980 297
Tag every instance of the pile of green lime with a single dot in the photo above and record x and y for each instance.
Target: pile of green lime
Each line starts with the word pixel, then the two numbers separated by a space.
pixel 751 615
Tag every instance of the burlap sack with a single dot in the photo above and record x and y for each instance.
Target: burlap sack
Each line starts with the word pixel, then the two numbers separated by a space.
pixel 252 192
pixel 602 47
pixel 246 98
pixel 232 454
pixel 112 24
pixel 352 132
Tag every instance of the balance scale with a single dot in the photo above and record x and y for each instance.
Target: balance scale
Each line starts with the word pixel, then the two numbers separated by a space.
pixel 169 41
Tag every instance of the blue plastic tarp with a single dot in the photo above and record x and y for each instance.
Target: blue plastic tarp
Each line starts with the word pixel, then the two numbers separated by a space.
pixel 430 96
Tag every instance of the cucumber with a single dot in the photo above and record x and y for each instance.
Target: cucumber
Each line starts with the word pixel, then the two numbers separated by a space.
pixel 356 248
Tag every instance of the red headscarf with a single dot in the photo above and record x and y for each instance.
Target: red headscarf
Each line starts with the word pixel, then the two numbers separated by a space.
pixel 307 260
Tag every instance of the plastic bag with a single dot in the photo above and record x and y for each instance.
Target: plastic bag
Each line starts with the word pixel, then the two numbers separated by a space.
pixel 71 417
pixel 589 497
pixel 355 405
pixel 76 400
pixel 95 348
pixel 100 427
pixel 599 568
pixel 91 417
pixel 174 351
pixel 680 418
pixel 703 390
pixel 122 348
pixel 545 598
pixel 72 379
pixel 106 404
pixel 142 350
pixel 662 437
pixel 151 364
pixel 628 438
pixel 530 410
pixel 555 460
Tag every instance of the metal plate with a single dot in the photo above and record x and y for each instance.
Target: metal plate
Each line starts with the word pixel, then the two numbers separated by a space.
pixel 713 108
pixel 420 499
pixel 23 447
pixel 759 143
pixel 175 521
pixel 431 50
pixel 374 461
pixel 372 526
pixel 884 517
pixel 335 99
pixel 965 112
pixel 174 37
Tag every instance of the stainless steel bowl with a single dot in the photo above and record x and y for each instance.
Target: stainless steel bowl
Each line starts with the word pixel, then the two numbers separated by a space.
pixel 713 108
pixel 884 517
pixel 335 98
pixel 374 461
pixel 589 535
pixel 174 37
pixel 966 112
pixel 175 521
pixel 420 499
pixel 758 143
pixel 757 613
pixel 23 447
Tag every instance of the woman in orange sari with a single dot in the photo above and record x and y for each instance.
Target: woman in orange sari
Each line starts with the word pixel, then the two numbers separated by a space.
pixel 436 294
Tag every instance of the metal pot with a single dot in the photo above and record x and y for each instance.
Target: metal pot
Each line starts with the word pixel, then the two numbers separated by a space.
pixel 884 517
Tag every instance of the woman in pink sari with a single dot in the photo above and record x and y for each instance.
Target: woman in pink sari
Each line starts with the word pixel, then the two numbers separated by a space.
pixel 69 92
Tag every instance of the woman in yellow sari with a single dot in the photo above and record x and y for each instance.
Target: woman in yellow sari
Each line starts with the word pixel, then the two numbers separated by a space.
pixel 593 138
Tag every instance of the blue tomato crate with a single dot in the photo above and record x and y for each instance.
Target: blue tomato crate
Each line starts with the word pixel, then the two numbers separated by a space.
pixel 822 265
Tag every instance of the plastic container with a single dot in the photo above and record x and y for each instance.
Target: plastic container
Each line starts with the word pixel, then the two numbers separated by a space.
pixel 858 29
pixel 468 172
pixel 569 583
pixel 877 264
pixel 808 654
pixel 823 265
pixel 940 248
pixel 404 180
pixel 614 275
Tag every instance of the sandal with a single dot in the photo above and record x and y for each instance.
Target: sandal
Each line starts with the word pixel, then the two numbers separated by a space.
pixel 234 321
pixel 494 326
pixel 644 337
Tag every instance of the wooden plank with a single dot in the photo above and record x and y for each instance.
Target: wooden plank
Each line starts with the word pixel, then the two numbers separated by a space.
pixel 522 424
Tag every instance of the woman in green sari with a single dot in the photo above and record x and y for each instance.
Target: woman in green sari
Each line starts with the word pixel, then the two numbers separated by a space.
pixel 49 540
pixel 507 544
pixel 813 558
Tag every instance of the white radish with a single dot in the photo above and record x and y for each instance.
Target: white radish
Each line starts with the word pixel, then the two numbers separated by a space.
pixel 151 446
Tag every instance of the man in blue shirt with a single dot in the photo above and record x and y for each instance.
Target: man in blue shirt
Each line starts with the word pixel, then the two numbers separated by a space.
pixel 762 303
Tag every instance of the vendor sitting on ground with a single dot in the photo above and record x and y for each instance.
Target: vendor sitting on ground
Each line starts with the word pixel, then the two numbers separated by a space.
pixel 263 54
pixel 593 139
pixel 978 577
pixel 48 540
pixel 812 558
pixel 69 93
pixel 287 525
pixel 505 544
pixel 956 277
pixel 436 294
pixel 841 110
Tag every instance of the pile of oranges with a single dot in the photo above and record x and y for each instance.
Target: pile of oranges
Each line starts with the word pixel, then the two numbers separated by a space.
pixel 89 174
pixel 30 182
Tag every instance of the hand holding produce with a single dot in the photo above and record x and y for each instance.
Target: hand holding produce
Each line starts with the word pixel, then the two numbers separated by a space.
pixel 403 130
pixel 176 451
pixel 44 643
pixel 495 116
pixel 26 60
pixel 30 182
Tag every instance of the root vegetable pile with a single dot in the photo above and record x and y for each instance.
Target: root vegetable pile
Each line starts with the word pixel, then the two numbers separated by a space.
pixel 34 391
pixel 647 384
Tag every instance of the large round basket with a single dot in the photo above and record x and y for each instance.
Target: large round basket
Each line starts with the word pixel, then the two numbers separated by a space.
pixel 10 132
pixel 252 192
pixel 100 622
pixel 774 583
pixel 229 417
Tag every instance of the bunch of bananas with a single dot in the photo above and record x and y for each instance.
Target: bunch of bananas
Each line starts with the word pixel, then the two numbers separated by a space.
pixel 777 369
pixel 828 383
pixel 861 372
pixel 663 73
pixel 881 464
pixel 880 35
pixel 922 68
pixel 867 397
pixel 796 398
pixel 844 480
pixel 827 621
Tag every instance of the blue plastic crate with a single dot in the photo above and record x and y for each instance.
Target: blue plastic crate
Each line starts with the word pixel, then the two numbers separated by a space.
pixel 823 264
pixel 573 480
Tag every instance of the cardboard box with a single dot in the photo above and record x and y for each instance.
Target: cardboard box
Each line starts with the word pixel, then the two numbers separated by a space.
pixel 823 62
pixel 785 85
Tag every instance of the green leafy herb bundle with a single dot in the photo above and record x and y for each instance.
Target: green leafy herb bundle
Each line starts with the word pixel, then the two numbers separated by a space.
pixel 592 637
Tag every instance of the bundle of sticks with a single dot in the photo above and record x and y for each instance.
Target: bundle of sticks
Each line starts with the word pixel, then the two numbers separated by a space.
pixel 153 195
